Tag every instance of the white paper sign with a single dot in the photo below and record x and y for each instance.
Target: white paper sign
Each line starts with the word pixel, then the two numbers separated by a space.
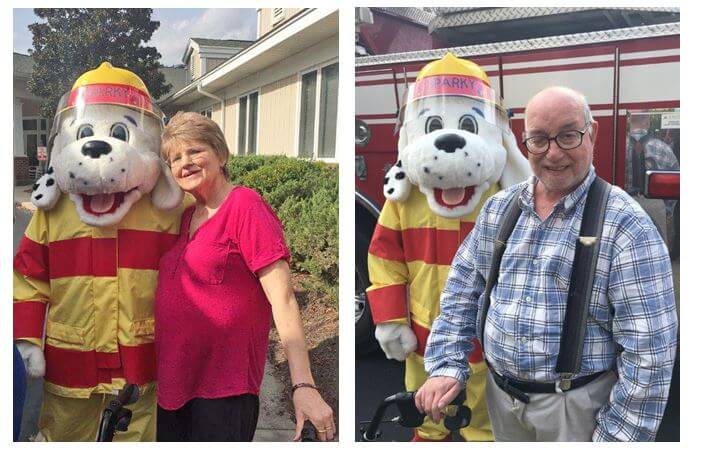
pixel 670 120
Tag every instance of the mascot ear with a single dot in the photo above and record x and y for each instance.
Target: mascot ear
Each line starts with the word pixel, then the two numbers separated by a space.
pixel 166 194
pixel 45 191
pixel 396 185
pixel 517 168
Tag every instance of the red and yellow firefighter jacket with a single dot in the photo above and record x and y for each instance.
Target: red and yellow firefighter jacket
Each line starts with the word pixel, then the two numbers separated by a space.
pixel 408 262
pixel 86 295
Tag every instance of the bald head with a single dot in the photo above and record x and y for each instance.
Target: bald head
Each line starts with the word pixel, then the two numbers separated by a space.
pixel 560 113
pixel 552 97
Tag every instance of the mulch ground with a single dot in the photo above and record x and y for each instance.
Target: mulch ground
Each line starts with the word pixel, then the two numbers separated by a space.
pixel 321 328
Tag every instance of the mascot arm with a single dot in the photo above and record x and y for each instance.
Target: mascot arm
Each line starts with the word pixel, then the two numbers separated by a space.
pixel 31 292
pixel 387 269
pixel 387 295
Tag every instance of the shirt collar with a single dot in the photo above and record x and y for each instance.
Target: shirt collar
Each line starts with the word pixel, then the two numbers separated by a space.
pixel 567 202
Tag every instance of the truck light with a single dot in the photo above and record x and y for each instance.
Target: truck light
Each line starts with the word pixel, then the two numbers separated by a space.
pixel 662 184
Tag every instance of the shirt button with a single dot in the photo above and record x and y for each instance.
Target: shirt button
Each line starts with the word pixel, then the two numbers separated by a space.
pixel 535 261
pixel 527 299
pixel 524 340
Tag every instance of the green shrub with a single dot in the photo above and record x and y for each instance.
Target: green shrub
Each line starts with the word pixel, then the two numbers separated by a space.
pixel 305 196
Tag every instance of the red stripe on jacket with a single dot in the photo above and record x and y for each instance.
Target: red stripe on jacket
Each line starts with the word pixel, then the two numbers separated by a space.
pixel 32 259
pixel 387 244
pixel 430 245
pixel 388 303
pixel 427 244
pixel 86 369
pixel 28 319
pixel 422 333
pixel 142 250
pixel 83 257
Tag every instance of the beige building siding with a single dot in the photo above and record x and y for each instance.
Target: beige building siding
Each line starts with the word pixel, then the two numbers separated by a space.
pixel 231 128
pixel 265 19
pixel 212 63
pixel 277 117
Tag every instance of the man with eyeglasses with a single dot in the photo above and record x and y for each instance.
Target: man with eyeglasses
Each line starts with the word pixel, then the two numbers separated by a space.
pixel 620 388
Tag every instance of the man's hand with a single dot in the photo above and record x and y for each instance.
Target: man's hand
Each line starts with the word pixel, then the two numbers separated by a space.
pixel 396 340
pixel 435 394
pixel 33 357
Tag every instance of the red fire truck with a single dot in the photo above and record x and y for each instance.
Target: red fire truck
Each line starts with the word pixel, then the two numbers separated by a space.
pixel 629 72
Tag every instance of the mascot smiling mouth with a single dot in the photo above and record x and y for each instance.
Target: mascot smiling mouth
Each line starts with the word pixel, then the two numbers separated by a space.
pixel 454 197
pixel 102 204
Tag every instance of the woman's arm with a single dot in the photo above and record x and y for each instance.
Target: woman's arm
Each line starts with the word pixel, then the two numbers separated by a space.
pixel 275 279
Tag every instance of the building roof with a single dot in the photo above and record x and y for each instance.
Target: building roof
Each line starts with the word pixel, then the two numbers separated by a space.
pixel 176 76
pixel 303 30
pixel 239 43
pixel 22 65
pixel 205 43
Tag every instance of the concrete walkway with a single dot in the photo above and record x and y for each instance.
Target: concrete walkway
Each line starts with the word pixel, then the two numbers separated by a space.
pixel 274 422
pixel 21 197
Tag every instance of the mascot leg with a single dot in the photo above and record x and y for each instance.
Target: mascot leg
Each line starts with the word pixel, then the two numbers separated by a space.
pixel 415 376
pixel 70 419
pixel 480 427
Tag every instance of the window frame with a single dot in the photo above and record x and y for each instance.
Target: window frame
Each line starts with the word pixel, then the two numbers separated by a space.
pixel 318 68
pixel 247 95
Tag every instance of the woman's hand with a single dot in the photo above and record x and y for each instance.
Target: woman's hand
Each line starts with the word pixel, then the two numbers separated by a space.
pixel 309 405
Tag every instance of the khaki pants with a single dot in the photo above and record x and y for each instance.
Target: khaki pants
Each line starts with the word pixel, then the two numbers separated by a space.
pixel 70 419
pixel 548 417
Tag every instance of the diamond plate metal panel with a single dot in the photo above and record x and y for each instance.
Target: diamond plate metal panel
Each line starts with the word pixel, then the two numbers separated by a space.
pixel 456 17
pixel 416 15
pixel 648 31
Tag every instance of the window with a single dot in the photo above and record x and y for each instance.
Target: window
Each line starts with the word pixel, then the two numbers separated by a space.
pixel 318 109
pixel 207 112
pixel 307 114
pixel 252 122
pixel 34 135
pixel 242 120
pixel 248 124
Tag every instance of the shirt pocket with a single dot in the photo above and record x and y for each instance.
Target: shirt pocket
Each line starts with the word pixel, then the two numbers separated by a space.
pixel 206 261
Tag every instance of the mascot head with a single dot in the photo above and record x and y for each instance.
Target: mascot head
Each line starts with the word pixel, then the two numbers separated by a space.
pixel 105 143
pixel 455 139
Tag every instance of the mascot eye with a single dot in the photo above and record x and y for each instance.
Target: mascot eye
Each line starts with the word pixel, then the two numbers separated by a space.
pixel 84 131
pixel 119 131
pixel 468 123
pixel 433 124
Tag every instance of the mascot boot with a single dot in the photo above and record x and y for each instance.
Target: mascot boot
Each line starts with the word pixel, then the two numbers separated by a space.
pixel 455 150
pixel 85 272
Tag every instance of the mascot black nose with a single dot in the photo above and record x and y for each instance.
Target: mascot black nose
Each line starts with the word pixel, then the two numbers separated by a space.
pixel 95 148
pixel 449 142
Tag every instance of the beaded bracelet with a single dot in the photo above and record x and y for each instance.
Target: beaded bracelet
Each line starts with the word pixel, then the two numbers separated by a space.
pixel 303 385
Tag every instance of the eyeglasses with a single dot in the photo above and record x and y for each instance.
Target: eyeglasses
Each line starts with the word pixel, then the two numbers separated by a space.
pixel 566 140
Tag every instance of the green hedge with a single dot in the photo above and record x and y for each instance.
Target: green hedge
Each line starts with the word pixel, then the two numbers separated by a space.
pixel 305 196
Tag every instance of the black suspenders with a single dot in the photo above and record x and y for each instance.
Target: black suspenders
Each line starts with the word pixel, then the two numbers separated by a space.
pixel 586 254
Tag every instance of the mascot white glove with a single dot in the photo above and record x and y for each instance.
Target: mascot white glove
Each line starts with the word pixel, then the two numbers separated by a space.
pixel 33 357
pixel 396 340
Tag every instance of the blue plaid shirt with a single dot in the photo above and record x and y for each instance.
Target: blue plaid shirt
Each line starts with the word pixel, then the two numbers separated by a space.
pixel 632 323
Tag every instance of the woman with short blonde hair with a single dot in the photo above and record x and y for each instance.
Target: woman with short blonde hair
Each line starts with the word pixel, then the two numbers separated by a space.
pixel 218 287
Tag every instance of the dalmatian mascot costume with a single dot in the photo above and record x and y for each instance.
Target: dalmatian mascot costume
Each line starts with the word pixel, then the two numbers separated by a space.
pixel 86 269
pixel 456 149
